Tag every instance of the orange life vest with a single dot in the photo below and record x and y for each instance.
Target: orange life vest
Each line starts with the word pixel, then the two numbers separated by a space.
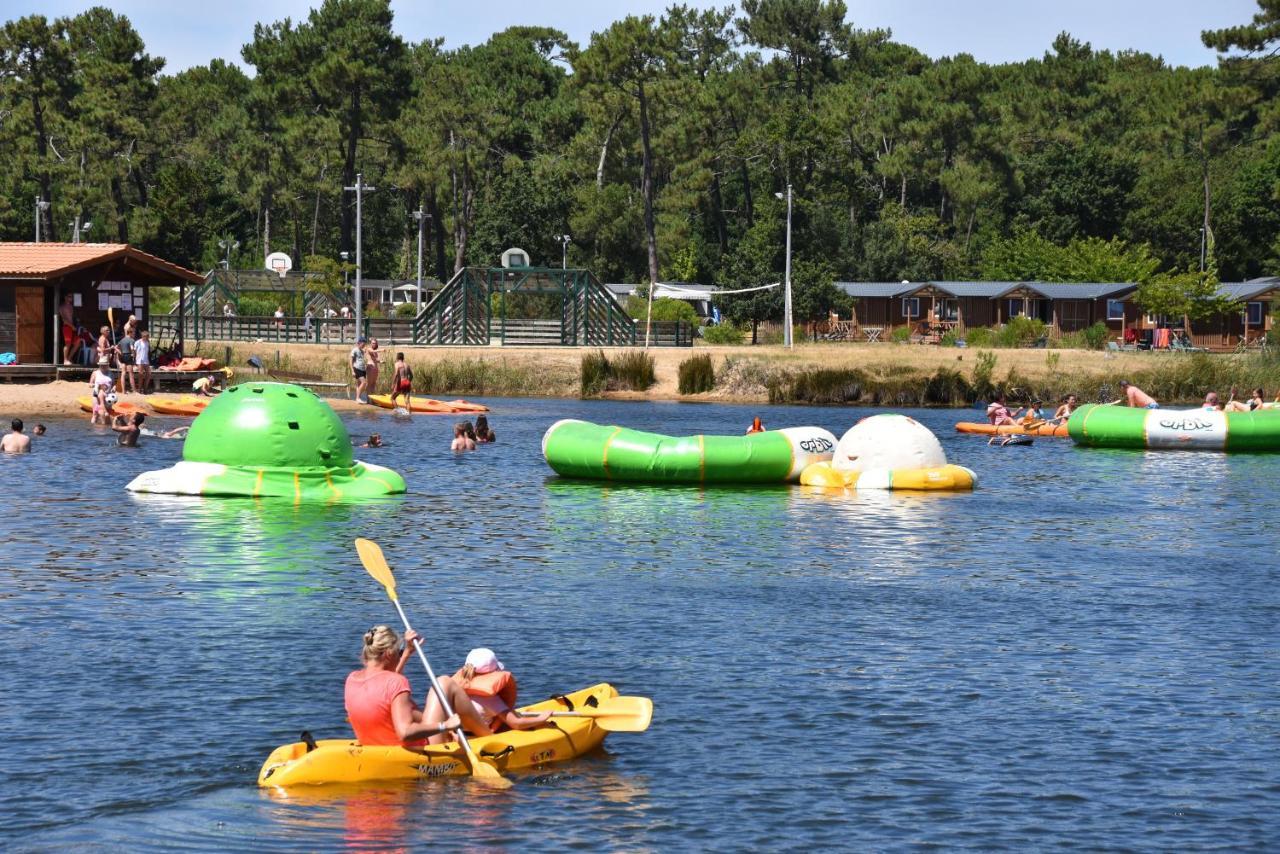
pixel 499 683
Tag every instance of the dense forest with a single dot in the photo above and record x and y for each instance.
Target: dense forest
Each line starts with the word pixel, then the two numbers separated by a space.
pixel 661 148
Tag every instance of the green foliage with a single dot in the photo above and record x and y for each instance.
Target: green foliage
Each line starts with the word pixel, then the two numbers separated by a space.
pixel 406 309
pixel 900 334
pixel 1018 332
pixel 983 371
pixel 595 373
pixel 1190 294
pixel 1095 336
pixel 659 146
pixel 722 333
pixel 664 308
pixel 979 336
pixel 696 375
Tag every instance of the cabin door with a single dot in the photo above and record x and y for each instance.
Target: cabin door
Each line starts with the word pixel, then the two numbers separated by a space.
pixel 28 304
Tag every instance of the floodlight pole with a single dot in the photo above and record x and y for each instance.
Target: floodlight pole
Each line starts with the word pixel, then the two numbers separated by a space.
pixel 564 251
pixel 359 189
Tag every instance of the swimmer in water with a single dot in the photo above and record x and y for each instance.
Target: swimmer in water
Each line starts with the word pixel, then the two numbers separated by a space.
pixel 128 429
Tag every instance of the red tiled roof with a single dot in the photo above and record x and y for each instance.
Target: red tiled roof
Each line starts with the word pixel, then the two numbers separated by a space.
pixel 51 260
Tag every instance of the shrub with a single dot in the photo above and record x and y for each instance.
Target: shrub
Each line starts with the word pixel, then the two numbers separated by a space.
pixel 406 309
pixel 823 386
pixel 696 375
pixel 664 308
pixel 949 338
pixel 722 333
pixel 979 336
pixel 982 374
pixel 1019 332
pixel 1096 336
pixel 633 370
pixel 900 334
pixel 947 388
pixel 595 373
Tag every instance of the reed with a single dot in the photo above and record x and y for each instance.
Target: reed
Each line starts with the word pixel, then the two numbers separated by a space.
pixel 696 375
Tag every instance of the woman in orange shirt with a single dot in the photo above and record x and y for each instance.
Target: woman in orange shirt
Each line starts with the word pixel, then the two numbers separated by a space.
pixel 379 702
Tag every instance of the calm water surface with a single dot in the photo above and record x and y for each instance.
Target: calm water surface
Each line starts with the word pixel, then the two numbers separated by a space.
pixel 1082 654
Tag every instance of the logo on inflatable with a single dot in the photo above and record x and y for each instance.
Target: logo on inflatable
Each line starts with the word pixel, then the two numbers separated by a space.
pixel 1186 425
pixel 816 445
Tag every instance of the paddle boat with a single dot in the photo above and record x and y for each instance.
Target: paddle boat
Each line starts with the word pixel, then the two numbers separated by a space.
pixel 1108 426
pixel 309 763
pixel 889 451
pixel 597 452
pixel 269 440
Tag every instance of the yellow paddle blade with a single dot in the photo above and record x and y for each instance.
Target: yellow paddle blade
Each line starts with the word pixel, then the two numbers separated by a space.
pixel 617 714
pixel 376 565
pixel 483 772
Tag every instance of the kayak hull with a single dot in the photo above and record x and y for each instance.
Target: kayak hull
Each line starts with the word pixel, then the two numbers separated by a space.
pixel 982 429
pixel 1177 429
pixel 336 761
pixel 427 405
pixel 187 406
pixel 122 407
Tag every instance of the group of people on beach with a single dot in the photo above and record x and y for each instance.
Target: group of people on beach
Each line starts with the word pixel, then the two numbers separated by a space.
pixel 129 352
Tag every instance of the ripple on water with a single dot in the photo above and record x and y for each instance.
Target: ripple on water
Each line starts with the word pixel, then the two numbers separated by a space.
pixel 1083 653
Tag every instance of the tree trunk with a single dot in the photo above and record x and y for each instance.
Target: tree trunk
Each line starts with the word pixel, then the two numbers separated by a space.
pixel 117 198
pixel 902 200
pixel 436 235
pixel 646 190
pixel 349 172
pixel 717 202
pixel 315 215
pixel 604 151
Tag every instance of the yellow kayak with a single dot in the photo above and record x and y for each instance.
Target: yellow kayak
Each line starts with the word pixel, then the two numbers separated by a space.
pixel 345 761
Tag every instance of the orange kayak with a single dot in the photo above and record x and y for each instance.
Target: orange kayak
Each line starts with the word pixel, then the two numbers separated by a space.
pixel 188 405
pixel 122 407
pixel 429 405
pixel 1011 429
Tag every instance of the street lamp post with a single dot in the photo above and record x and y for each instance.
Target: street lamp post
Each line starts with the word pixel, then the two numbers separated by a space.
pixel 227 246
pixel 421 216
pixel 78 228
pixel 565 240
pixel 41 206
pixel 786 298
pixel 359 189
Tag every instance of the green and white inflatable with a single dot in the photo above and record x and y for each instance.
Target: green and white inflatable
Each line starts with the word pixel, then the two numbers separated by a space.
pixel 270 440
pixel 1185 429
pixel 598 452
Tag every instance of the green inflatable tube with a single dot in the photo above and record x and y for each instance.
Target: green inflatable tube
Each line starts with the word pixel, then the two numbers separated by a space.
pixel 593 451
pixel 1185 429
pixel 270 440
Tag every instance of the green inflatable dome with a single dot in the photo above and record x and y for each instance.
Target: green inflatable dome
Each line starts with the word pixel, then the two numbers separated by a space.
pixel 268 424
pixel 270 440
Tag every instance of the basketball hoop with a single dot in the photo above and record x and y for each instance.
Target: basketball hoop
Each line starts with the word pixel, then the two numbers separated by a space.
pixel 280 263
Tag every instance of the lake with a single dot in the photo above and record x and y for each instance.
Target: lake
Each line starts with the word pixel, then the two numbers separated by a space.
pixel 1083 653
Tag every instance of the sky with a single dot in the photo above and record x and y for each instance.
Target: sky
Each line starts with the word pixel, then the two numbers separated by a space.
pixel 188 33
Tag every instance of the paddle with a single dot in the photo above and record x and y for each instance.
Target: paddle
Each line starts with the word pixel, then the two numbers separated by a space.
pixel 617 714
pixel 111 323
pixel 376 565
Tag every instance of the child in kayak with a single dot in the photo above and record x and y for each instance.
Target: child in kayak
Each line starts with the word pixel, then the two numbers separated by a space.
pixel 492 692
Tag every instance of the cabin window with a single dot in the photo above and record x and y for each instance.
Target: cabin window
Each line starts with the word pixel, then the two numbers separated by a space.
pixel 911 306
pixel 1015 307
pixel 949 309
pixel 1253 314
pixel 1115 309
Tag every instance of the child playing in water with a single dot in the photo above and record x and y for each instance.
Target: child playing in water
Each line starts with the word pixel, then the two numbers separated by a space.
pixel 461 441
pixel 100 385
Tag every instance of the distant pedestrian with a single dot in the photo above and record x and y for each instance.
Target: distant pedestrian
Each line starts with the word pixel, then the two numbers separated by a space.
pixel 142 361
pixel 358 370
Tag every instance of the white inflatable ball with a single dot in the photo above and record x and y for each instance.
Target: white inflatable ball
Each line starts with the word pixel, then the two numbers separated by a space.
pixel 111 399
pixel 888 442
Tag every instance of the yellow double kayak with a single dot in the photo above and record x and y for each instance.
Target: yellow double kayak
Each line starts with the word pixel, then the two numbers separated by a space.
pixel 346 761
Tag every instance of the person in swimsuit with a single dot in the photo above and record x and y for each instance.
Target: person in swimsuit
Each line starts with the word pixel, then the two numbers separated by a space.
pixel 379 700
pixel 373 360
pixel 16 442
pixel 358 370
pixel 756 426
pixel 100 385
pixel 1257 401
pixel 1135 397
pixel 484 433
pixel 401 381
pixel 1064 411
pixel 70 341
pixel 128 429
pixel 461 441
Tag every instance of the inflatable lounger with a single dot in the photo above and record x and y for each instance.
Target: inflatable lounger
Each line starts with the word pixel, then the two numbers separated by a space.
pixel 1187 429
pixel 597 452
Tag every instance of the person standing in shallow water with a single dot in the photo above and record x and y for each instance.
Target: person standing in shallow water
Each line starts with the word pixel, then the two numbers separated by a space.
pixel 461 441
pixel 358 371
pixel 16 442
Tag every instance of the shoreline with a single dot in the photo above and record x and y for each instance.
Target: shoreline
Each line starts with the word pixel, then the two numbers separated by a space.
pixel 881 375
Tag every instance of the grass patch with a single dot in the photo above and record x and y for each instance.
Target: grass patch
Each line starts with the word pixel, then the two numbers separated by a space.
pixel 696 375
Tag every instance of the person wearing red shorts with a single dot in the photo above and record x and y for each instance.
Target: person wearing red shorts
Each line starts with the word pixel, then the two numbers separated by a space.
pixel 401 381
